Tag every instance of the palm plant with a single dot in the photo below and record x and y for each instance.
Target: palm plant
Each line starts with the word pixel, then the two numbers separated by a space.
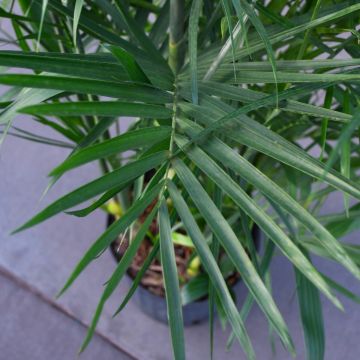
pixel 221 93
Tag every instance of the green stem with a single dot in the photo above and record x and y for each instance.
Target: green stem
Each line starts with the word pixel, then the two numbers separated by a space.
pixel 145 5
pixel 173 120
pixel 172 140
pixel 307 33
pixel 176 52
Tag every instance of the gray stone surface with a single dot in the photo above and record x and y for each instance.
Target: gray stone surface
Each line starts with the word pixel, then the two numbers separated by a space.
pixel 32 329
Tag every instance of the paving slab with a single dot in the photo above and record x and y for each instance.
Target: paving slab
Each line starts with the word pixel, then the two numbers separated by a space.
pixel 33 329
pixel 45 255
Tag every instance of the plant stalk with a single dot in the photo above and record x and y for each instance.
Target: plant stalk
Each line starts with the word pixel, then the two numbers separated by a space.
pixel 176 50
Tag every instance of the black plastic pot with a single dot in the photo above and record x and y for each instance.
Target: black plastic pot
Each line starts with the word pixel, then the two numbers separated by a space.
pixel 155 305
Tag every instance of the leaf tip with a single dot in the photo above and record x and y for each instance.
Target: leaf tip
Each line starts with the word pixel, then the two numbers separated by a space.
pixel 17 230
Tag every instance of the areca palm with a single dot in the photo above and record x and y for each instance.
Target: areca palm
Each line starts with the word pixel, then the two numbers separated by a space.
pixel 221 92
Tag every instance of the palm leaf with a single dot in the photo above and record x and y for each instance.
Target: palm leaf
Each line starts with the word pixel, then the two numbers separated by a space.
pixel 118 275
pixel 234 250
pixel 112 233
pixel 171 283
pixel 144 137
pixel 124 91
pixel 77 12
pixel 151 256
pixel 212 269
pixel 98 108
pixel 227 157
pixel 260 217
pixel 193 34
pixel 260 138
pixel 311 317
pixel 98 186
